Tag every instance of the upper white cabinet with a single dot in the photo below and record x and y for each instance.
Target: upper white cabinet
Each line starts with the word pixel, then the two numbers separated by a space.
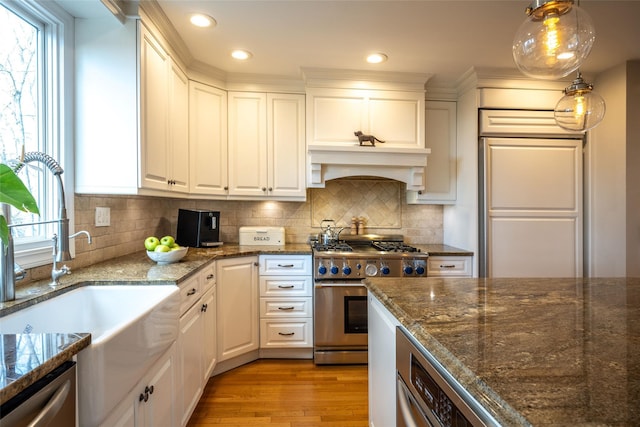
pixel 396 117
pixel 131 111
pixel 207 140
pixel 164 149
pixel 440 137
pixel 266 145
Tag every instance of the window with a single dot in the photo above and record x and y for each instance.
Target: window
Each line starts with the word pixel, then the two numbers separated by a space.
pixel 34 110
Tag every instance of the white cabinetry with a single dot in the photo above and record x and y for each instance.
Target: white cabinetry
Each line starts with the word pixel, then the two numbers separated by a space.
pixel 127 88
pixel 440 131
pixel 197 333
pixel 237 311
pixel 449 266
pixel 396 117
pixel 266 145
pixel 207 140
pixel 152 401
pixel 286 306
pixel 382 361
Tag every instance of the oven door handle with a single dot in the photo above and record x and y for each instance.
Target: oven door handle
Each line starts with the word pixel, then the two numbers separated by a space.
pixel 409 408
pixel 339 285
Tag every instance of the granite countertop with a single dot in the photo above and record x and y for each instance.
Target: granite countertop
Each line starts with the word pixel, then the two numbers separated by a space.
pixel 532 351
pixel 443 250
pixel 28 357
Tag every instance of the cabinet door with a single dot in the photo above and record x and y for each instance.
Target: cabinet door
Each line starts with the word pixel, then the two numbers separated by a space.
pixel 209 333
pixel 237 307
pixel 154 82
pixel 286 145
pixel 160 408
pixel 208 139
pixel 178 146
pixel 190 349
pixel 247 144
pixel 440 131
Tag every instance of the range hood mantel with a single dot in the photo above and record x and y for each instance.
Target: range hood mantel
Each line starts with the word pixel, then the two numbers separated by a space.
pixel 405 165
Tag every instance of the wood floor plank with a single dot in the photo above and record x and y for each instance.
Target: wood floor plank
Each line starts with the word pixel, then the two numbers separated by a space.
pixel 285 393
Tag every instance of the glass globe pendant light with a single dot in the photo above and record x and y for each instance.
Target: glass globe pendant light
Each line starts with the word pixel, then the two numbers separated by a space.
pixel 554 40
pixel 580 108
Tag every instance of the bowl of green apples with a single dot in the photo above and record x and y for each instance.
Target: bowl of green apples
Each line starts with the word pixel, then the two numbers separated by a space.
pixel 164 250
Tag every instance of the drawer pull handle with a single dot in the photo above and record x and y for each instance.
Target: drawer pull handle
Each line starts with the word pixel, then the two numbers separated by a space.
pixel 447 266
pixel 204 308
pixel 286 334
pixel 209 276
pixel 286 308
pixel 286 265
pixel 191 292
pixel 285 286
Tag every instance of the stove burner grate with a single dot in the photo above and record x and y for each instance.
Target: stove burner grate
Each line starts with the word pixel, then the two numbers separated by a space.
pixel 394 247
pixel 333 247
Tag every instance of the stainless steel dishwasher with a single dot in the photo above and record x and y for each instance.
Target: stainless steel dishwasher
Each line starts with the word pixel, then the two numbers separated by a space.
pixel 50 401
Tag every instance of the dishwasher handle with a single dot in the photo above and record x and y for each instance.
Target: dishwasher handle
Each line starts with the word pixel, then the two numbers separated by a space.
pixel 52 407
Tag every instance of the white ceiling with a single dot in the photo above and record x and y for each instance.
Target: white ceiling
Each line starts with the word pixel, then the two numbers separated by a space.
pixel 440 37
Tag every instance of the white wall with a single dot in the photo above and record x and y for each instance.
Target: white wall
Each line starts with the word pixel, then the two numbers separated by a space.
pixel 605 186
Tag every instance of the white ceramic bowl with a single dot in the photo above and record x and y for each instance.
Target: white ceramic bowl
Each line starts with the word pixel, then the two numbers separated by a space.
pixel 168 257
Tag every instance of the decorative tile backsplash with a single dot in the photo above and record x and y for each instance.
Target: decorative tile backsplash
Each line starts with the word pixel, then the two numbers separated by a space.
pixel 381 202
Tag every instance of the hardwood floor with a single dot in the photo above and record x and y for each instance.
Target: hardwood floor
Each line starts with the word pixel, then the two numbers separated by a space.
pixel 285 393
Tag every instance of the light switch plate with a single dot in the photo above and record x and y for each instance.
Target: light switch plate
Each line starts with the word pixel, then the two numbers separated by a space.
pixel 103 217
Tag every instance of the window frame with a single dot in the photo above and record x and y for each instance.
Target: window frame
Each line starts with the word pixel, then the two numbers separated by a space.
pixel 56 121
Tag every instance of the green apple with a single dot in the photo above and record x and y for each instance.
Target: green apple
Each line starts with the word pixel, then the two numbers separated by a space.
pixel 176 248
pixel 162 248
pixel 167 241
pixel 151 243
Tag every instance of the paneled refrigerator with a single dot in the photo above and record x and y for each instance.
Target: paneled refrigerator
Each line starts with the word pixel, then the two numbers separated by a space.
pixel 531 201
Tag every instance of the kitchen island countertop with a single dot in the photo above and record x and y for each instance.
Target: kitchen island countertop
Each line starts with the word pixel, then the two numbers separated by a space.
pixel 561 352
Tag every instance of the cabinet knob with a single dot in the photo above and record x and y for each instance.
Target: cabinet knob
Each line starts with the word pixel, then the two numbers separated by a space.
pixel 226 188
pixel 264 188
pixel 210 276
pixel 256 264
pixel 191 292
pixel 270 189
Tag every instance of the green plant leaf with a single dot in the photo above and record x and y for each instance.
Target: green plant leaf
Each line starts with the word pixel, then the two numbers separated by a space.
pixel 4 230
pixel 14 192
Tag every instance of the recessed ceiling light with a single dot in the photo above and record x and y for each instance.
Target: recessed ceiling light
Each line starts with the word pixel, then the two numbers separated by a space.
pixel 241 54
pixel 376 58
pixel 200 20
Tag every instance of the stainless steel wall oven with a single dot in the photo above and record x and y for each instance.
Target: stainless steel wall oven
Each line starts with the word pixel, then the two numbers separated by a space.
pixel 340 298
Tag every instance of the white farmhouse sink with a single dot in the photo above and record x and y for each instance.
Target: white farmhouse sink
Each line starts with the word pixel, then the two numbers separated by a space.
pixel 130 328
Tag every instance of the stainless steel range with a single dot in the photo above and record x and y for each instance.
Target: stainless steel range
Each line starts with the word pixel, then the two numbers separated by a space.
pixel 340 299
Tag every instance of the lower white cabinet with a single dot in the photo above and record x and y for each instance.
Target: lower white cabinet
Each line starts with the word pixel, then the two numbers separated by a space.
pixel 237 307
pixel 286 306
pixel 151 403
pixel 196 339
pixel 450 266
pixel 382 361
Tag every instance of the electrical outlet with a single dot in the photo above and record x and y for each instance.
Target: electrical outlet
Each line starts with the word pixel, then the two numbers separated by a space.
pixel 103 217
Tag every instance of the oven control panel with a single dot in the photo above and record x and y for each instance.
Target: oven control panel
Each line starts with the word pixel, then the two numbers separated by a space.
pixel 359 268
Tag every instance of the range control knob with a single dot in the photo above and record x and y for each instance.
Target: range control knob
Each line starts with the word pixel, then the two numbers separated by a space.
pixel 346 270
pixel 334 269
pixel 384 269
pixel 419 269
pixel 322 269
pixel 408 270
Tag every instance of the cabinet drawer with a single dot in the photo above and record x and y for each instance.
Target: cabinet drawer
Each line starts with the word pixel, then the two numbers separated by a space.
pixel 271 286
pixel 208 277
pixel 190 292
pixel 296 265
pixel 459 266
pixel 286 307
pixel 286 333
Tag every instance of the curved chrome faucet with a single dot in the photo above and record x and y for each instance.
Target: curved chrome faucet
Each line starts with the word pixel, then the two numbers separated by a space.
pixel 11 271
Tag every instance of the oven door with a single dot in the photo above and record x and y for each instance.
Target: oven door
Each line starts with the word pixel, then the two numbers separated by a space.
pixel 340 322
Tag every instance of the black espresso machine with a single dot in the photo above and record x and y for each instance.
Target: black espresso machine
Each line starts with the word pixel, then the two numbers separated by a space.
pixel 198 228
